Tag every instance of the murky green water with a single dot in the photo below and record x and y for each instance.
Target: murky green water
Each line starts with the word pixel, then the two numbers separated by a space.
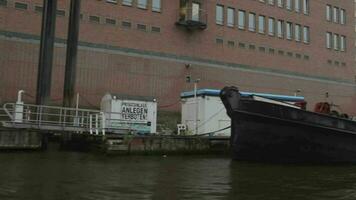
pixel 69 175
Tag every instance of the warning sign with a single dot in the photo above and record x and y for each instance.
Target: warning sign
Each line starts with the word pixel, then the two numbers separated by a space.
pixel 134 111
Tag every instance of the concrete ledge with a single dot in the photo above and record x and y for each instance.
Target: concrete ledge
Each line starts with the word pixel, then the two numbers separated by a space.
pixel 20 140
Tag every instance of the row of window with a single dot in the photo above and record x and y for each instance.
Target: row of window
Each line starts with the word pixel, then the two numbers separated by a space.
pixel 296 5
pixel 275 27
pixel 261 49
pixel 335 41
pixel 336 63
pixel 335 14
pixel 143 4
pixel 155 5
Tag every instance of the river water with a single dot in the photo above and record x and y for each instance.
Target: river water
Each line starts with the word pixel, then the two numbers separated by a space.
pixel 70 175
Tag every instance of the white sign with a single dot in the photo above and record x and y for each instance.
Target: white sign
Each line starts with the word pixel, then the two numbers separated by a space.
pixel 134 111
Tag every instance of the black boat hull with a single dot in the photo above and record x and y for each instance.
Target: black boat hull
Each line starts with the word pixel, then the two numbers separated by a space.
pixel 274 133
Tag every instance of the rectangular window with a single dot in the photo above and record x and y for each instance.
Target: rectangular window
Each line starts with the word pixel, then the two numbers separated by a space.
pixel 230 43
pixel 219 14
pixel 342 43
pixel 155 29
pixel 141 27
pixel 271 50
pixel 261 24
pixel 126 24
pixel 252 22
pixel 342 16
pixel 336 15
pixel 297 5
pixel 21 6
pixel 280 32
pixel 3 2
pixel 336 41
pixel 110 21
pixel 297 32
pixel 328 12
pixel 127 2
pixel 306 7
pixel 219 41
pixel 61 13
pixel 271 26
pixel 38 8
pixel 271 2
pixel 306 35
pixel 241 22
pixel 280 3
pixel 142 4
pixel 289 4
pixel 289 30
pixel 112 1
pixel 156 5
pixel 195 12
pixel 230 17
pixel 328 40
pixel 94 19
pixel 242 45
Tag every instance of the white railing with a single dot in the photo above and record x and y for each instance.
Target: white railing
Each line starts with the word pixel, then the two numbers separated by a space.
pixel 19 115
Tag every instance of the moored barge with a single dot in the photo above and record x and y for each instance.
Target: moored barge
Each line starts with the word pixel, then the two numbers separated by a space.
pixel 271 131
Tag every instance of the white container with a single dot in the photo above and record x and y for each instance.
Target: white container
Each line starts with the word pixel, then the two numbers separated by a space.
pixel 138 114
pixel 211 116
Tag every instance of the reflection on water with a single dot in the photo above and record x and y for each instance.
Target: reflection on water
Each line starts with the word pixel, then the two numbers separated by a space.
pixel 69 175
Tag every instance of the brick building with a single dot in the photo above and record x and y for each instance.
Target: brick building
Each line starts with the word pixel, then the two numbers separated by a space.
pixel 148 47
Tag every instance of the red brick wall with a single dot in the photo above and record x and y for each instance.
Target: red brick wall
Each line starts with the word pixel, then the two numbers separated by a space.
pixel 101 71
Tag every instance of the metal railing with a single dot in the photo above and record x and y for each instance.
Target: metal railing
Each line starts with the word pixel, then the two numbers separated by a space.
pixel 191 17
pixel 56 118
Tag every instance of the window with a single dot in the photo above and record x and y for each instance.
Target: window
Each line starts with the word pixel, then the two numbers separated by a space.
pixel 297 5
pixel 230 43
pixel 280 52
pixel 110 21
pixel 94 19
pixel 38 8
pixel 155 29
pixel 280 31
pixel 271 50
pixel 271 2
pixel 306 57
pixel 242 45
pixel 261 24
pixel 342 16
pixel 280 3
pixel 141 27
pixel 328 40
pixel 142 4
pixel 306 38
pixel 262 49
pixel 336 41
pixel 306 7
pixel 297 32
pixel 337 63
pixel 289 30
pixel 126 24
pixel 328 12
pixel 61 13
pixel 21 6
pixel 336 15
pixel 112 1
pixel 252 47
pixel 219 41
pixel 127 2
pixel 230 17
pixel 271 26
pixel 251 22
pixel 241 22
pixel 219 15
pixel 289 4
pixel 156 5
pixel 299 56
pixel 342 43
pixel 290 54
pixel 3 2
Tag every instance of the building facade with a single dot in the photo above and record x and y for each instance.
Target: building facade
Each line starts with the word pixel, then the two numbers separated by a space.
pixel 149 47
